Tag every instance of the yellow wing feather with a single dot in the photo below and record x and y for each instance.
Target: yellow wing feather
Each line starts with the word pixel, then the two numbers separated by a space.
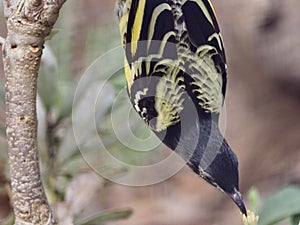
pixel 137 26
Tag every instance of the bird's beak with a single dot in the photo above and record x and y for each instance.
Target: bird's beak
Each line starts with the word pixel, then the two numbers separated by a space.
pixel 238 199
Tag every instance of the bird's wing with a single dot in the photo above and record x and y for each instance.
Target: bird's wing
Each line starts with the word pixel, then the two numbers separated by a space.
pixel 150 30
pixel 204 56
pixel 178 41
pixel 151 53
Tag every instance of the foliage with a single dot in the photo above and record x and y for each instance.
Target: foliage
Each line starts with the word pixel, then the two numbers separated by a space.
pixel 60 155
pixel 104 217
pixel 281 205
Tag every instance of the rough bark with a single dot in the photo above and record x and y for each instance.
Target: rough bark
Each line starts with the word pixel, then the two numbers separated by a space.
pixel 29 22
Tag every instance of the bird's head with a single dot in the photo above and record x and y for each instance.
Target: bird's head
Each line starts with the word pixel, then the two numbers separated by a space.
pixel 213 159
pixel 219 167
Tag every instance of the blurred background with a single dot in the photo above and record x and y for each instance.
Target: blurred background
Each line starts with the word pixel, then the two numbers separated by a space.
pixel 261 118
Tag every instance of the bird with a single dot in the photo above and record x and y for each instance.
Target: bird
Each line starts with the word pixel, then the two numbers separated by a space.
pixel 176 75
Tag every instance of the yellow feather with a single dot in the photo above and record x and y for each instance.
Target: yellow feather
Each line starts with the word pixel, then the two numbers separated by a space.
pixel 128 74
pixel 212 7
pixel 156 13
pixel 137 26
pixel 123 26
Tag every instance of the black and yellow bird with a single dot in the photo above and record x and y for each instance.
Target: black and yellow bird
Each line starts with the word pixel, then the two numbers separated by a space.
pixel 175 69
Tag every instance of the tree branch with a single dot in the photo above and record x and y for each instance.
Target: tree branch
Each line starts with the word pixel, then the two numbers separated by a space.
pixel 29 22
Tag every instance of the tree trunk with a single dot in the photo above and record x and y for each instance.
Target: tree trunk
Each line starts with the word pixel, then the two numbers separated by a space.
pixel 29 22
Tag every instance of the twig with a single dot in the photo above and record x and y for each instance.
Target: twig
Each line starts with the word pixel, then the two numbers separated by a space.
pixel 28 24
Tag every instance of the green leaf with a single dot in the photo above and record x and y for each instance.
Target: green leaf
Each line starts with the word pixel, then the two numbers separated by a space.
pixel 42 120
pixel 104 217
pixel 295 220
pixel 254 199
pixel 48 79
pixel 72 165
pixel 89 110
pixel 283 204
